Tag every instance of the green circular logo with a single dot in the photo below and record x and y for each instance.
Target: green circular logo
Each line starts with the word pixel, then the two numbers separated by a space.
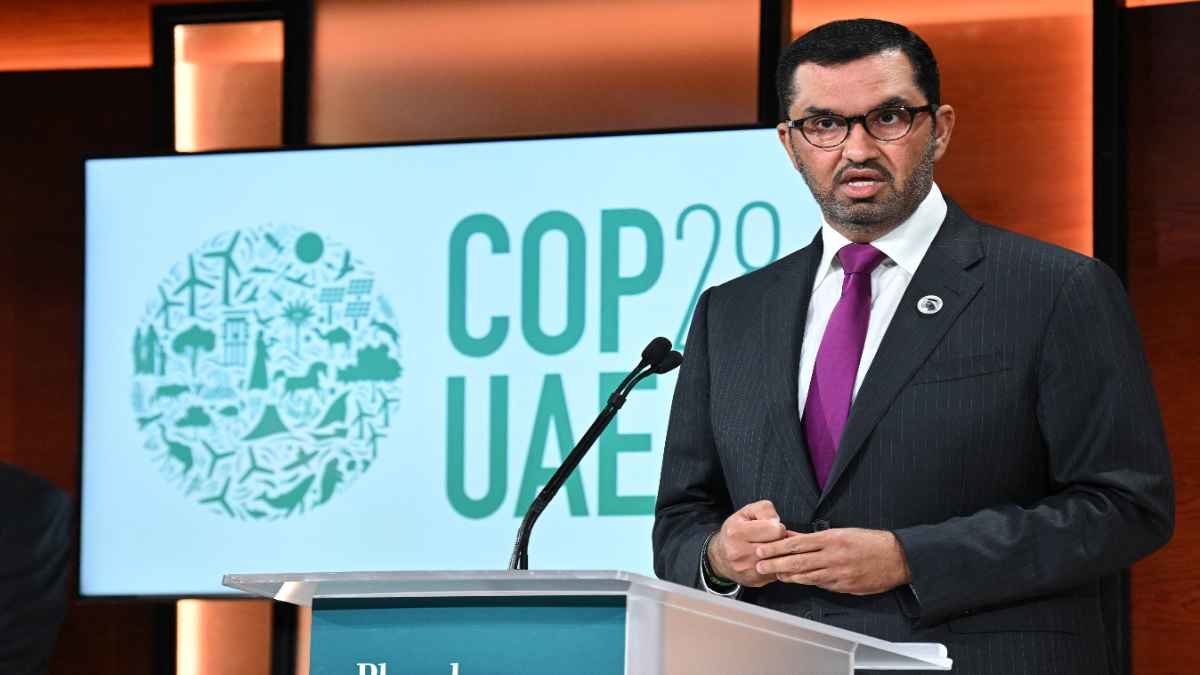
pixel 266 372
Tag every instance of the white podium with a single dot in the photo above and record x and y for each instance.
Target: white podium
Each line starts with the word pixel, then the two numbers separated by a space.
pixel 533 622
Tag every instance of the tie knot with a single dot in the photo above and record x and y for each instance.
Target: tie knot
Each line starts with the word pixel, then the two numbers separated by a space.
pixel 859 258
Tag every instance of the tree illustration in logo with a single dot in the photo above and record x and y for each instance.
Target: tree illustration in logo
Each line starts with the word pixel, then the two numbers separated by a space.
pixel 266 373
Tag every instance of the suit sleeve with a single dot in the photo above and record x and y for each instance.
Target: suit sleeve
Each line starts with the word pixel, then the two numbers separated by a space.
pixel 692 498
pixel 1113 499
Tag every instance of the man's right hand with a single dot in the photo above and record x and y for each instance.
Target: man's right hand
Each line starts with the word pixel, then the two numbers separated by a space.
pixel 731 551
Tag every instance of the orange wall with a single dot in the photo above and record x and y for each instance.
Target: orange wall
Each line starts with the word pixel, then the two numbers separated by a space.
pixel 438 69
pixel 75 34
pixel 223 637
pixel 228 85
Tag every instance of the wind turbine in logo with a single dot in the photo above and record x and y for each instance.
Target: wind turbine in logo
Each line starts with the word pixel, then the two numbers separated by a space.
pixel 191 285
pixel 229 266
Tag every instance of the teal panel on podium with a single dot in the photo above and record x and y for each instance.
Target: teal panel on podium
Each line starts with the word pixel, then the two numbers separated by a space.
pixel 483 635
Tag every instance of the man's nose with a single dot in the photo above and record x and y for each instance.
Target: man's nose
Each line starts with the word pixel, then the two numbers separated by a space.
pixel 859 145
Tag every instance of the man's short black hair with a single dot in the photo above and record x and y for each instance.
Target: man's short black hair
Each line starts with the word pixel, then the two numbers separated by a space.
pixel 839 42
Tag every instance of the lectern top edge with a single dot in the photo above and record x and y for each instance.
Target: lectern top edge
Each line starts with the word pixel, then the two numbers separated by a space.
pixel 303 588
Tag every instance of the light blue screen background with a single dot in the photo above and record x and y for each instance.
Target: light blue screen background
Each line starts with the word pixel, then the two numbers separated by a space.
pixel 395 207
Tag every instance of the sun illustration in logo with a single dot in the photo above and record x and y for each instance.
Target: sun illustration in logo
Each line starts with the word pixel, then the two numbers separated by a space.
pixel 266 372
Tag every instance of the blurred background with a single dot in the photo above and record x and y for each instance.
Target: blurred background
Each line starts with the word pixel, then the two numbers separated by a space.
pixel 1076 126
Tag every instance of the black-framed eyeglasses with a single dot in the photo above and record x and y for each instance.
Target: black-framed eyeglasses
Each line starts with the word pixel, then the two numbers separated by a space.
pixel 888 123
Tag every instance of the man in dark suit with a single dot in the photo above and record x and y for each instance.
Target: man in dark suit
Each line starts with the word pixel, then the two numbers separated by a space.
pixel 35 543
pixel 919 427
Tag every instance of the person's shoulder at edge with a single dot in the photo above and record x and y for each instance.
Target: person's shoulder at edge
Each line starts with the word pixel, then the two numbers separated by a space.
pixel 757 281
pixel 36 499
pixel 1007 246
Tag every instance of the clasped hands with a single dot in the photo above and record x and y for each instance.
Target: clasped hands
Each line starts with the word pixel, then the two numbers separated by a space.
pixel 754 548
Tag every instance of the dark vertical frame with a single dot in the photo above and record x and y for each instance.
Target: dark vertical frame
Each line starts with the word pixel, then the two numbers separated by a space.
pixel 1110 231
pixel 297 70
pixel 296 16
pixel 1109 82
pixel 285 622
pixel 165 626
pixel 774 32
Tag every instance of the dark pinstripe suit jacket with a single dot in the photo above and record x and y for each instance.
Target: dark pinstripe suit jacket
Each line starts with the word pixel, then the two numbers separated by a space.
pixel 1012 441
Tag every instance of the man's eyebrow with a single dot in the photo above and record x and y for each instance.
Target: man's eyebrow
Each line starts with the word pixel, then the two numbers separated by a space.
pixel 886 103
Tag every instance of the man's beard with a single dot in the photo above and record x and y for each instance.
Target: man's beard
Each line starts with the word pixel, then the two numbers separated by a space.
pixel 875 218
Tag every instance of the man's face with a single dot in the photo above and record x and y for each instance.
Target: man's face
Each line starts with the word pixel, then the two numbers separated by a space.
pixel 865 186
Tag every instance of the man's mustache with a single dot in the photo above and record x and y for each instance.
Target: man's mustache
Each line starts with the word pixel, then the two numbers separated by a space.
pixel 865 166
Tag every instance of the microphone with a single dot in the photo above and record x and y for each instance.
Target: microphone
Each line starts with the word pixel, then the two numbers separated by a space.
pixel 654 352
pixel 657 358
pixel 670 361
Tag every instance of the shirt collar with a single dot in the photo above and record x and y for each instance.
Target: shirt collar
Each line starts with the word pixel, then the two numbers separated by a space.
pixel 905 245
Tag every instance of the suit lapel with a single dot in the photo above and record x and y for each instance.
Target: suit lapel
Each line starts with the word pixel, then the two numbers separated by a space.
pixel 911 336
pixel 785 306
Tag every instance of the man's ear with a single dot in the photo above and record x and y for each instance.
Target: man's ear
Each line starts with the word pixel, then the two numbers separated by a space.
pixel 785 139
pixel 942 131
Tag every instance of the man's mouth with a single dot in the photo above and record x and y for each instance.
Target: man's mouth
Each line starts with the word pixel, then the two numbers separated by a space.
pixel 860 183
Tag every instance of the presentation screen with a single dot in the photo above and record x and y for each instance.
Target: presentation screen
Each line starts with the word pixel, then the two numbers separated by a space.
pixel 373 358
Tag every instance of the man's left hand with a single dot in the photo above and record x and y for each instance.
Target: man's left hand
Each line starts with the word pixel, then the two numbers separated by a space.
pixel 843 560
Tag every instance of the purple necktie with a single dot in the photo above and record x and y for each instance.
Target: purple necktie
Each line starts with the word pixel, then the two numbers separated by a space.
pixel 832 386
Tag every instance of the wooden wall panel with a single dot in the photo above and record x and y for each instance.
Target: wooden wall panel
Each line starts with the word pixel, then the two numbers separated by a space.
pixel 49 122
pixel 224 637
pixel 438 69
pixel 1164 282
pixel 76 34
pixel 228 85
pixel 1021 155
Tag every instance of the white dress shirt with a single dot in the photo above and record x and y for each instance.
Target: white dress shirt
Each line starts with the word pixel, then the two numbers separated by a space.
pixel 905 247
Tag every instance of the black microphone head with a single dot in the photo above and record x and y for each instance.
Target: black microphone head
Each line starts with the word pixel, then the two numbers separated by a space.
pixel 656 350
pixel 670 361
